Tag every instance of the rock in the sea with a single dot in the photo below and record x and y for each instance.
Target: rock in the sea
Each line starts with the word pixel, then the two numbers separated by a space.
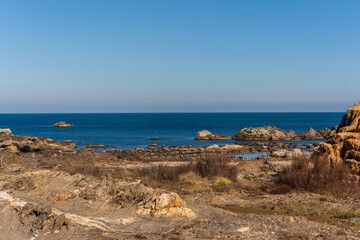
pixel 155 138
pixel 345 144
pixel 95 146
pixel 62 124
pixel 5 131
pixel 206 135
pixel 326 133
pixel 269 133
pixel 311 134
pixel 265 133
pixel 292 135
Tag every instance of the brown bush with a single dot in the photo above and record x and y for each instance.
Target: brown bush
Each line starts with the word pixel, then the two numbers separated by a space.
pixel 216 166
pixel 90 170
pixel 210 166
pixel 163 172
pixel 319 175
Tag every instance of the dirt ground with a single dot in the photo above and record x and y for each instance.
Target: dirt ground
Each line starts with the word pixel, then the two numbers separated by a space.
pixel 102 195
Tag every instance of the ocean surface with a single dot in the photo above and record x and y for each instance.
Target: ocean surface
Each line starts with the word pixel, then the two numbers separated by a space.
pixel 130 130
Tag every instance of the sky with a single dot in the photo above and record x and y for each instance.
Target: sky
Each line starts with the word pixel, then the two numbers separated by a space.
pixel 73 56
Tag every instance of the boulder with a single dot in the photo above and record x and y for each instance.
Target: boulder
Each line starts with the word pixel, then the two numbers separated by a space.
pixel 206 135
pixel 167 204
pixel 62 124
pixel 345 144
pixel 5 131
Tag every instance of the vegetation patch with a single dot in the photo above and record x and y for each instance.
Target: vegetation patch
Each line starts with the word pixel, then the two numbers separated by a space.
pixel 319 175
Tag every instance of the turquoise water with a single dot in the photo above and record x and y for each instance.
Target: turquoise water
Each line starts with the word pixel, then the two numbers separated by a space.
pixel 130 130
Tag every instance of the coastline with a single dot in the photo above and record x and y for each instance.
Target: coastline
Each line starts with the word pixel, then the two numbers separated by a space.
pixel 128 131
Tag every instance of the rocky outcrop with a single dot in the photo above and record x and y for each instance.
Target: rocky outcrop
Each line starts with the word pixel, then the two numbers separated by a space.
pixel 265 133
pixel 350 121
pixel 206 135
pixel 62 124
pixel 113 195
pixel 15 143
pixel 345 144
pixel 270 133
pixel 5 131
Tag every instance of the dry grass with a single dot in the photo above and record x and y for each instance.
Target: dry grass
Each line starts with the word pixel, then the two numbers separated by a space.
pixel 208 167
pixel 163 172
pixel 213 172
pixel 216 166
pixel 89 170
pixel 319 175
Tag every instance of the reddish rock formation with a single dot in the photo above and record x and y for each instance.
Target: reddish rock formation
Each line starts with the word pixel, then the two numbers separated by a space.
pixel 345 144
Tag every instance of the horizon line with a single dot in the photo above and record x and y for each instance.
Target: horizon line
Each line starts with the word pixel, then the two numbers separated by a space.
pixel 160 112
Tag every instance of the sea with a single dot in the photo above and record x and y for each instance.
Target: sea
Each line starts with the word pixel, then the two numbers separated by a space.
pixel 131 130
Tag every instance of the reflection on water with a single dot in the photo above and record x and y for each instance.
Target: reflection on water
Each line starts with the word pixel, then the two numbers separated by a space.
pixel 250 155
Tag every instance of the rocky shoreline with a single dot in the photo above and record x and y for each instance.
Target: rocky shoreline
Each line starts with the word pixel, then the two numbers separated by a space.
pixel 30 144
pixel 51 190
pixel 268 133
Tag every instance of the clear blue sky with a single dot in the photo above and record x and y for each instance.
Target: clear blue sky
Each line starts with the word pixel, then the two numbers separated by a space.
pixel 179 56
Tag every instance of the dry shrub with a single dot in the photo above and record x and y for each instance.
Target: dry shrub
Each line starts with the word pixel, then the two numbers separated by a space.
pixel 89 170
pixel 163 172
pixel 48 163
pixel 216 166
pixel 208 167
pixel 319 175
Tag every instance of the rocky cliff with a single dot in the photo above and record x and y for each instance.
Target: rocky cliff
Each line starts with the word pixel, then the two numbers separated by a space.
pixel 345 144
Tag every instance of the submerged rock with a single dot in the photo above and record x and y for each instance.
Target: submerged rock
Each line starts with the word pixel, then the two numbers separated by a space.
pixel 155 138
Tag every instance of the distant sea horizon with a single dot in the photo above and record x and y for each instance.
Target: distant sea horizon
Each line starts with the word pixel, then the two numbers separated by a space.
pixel 133 129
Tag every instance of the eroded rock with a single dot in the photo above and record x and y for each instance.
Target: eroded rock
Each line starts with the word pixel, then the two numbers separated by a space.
pixel 345 144
pixel 5 131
